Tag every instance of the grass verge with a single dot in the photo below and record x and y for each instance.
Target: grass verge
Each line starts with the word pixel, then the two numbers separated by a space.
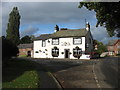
pixel 22 56
pixel 20 74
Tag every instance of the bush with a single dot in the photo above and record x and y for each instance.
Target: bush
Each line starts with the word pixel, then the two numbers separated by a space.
pixel 8 49
pixel 118 54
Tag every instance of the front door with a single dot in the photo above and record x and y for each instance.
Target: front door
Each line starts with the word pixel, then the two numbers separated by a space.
pixel 66 53
pixel 29 53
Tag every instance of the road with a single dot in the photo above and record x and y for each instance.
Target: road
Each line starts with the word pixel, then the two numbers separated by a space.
pixel 95 73
pixel 107 72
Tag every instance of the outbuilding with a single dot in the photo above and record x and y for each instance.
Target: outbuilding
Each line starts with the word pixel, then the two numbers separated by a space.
pixel 26 50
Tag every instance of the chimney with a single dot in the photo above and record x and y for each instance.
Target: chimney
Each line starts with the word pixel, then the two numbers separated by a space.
pixel 56 28
pixel 87 26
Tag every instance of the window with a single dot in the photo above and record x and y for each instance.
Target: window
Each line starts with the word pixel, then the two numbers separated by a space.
pixel 55 41
pixel 77 52
pixel 77 41
pixel 43 44
pixel 87 45
pixel 119 47
pixel 55 52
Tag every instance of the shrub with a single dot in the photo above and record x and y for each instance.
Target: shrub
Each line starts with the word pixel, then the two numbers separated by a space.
pixel 118 54
pixel 8 49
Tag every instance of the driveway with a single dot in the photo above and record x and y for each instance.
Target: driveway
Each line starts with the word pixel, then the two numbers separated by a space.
pixel 83 73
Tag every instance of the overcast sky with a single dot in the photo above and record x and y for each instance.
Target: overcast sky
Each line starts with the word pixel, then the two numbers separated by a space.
pixel 40 18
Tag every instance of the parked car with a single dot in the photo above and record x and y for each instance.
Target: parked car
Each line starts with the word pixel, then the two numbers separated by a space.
pixel 94 55
pixel 85 57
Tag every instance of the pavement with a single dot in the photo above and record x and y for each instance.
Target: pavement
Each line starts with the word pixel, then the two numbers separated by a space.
pixel 95 73
pixel 47 80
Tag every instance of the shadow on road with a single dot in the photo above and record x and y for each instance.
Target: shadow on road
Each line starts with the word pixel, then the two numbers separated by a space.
pixel 109 68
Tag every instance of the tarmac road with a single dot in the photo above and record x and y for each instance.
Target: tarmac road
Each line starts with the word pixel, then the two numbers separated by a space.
pixel 107 72
pixel 95 73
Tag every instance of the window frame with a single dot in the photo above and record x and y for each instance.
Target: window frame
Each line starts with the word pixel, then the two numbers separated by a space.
pixel 55 39
pixel 55 53
pixel 77 43
pixel 76 52
pixel 44 42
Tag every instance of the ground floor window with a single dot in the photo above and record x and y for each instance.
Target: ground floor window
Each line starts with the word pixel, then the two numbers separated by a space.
pixel 77 52
pixel 55 52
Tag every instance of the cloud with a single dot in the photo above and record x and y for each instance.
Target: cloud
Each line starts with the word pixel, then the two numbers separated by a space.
pixel 47 13
pixel 29 31
pixel 100 34
pixel 42 15
pixel 41 0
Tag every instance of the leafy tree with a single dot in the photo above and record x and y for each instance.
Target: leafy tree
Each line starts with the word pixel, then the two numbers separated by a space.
pixel 26 39
pixel 107 14
pixel 13 26
pixel 32 37
pixel 100 47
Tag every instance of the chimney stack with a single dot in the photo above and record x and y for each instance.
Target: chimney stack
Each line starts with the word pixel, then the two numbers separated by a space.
pixel 87 26
pixel 56 28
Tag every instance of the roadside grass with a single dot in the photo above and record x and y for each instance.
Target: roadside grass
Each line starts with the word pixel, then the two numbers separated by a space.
pixel 20 74
pixel 22 56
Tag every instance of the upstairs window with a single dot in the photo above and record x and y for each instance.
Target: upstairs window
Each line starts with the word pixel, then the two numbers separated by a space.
pixel 77 52
pixel 43 43
pixel 87 45
pixel 77 41
pixel 55 41
pixel 55 52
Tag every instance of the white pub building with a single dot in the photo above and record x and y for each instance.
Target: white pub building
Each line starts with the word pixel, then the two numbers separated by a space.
pixel 64 43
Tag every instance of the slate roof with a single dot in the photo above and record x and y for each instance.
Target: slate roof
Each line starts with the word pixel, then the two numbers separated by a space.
pixel 23 46
pixel 70 33
pixel 111 42
pixel 43 37
pixel 64 33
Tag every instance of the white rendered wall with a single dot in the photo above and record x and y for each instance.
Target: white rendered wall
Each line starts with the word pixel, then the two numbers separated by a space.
pixel 62 46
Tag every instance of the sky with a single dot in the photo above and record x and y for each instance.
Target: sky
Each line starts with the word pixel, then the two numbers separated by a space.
pixel 41 17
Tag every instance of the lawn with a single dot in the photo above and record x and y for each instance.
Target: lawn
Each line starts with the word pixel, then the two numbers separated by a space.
pixel 20 74
pixel 22 56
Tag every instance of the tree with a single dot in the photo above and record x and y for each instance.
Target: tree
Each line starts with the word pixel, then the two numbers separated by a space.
pixel 8 49
pixel 32 37
pixel 100 47
pixel 107 14
pixel 26 39
pixel 13 26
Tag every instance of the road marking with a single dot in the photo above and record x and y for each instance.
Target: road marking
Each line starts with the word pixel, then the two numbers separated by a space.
pixel 96 79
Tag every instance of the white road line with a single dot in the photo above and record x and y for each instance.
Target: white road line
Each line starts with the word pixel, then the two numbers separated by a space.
pixel 96 80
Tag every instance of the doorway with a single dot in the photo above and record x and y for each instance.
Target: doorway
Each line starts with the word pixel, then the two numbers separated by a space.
pixel 29 53
pixel 66 53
